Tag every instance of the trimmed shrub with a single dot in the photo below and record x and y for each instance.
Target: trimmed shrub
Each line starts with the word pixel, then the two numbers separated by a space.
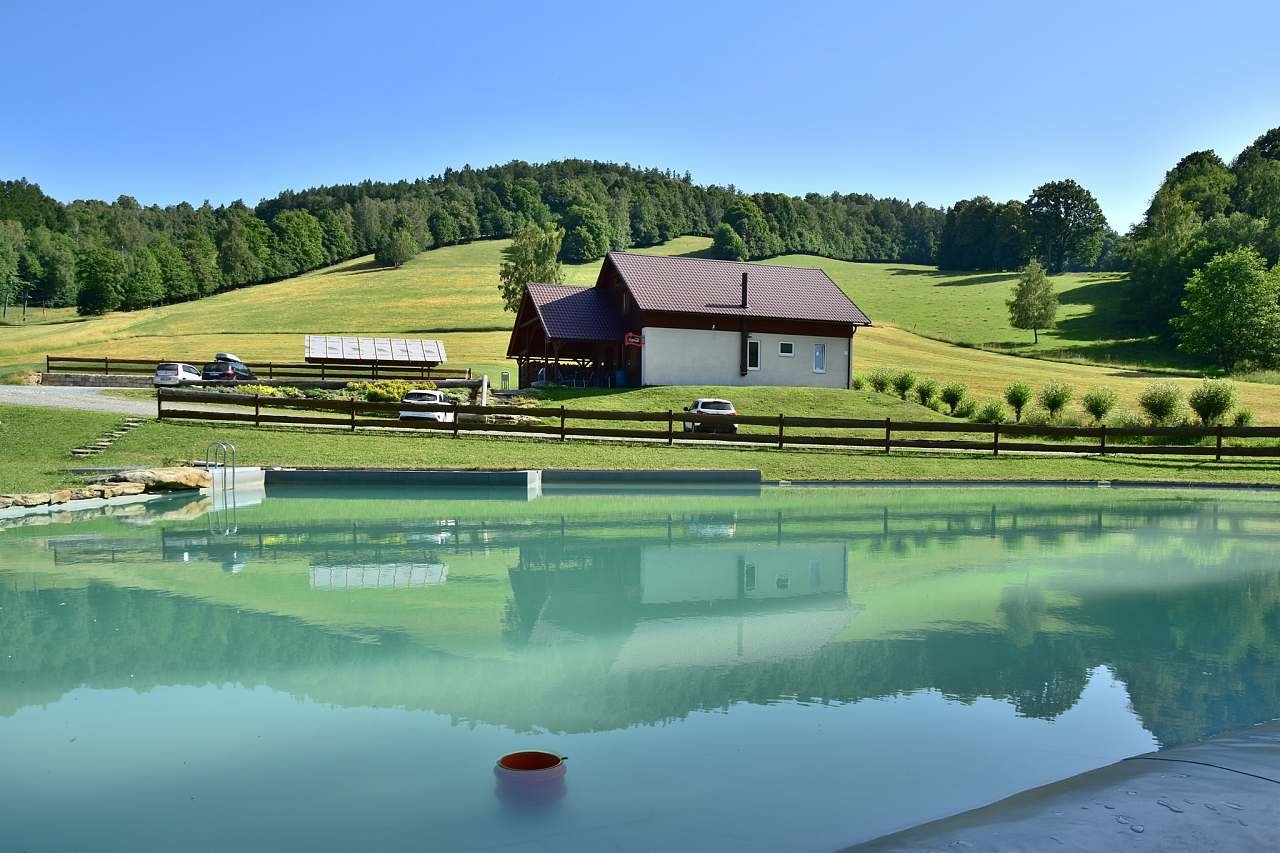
pixel 858 382
pixel 927 392
pixel 1053 398
pixel 1017 396
pixel 965 408
pixel 992 412
pixel 1212 399
pixel 1243 418
pixel 1098 403
pixel 903 383
pixel 384 390
pixel 879 380
pixel 1127 420
pixel 953 395
pixel 1161 402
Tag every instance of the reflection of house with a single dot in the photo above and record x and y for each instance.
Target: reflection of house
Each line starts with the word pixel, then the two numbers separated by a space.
pixel 685 605
pixel 378 576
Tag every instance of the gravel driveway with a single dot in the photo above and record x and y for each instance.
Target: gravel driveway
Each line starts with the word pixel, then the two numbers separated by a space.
pixel 71 397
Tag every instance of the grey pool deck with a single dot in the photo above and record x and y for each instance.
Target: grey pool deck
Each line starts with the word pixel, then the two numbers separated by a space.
pixel 1222 794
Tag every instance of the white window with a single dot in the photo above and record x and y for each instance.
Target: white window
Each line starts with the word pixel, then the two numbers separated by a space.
pixel 749 577
pixel 753 355
pixel 819 358
pixel 786 349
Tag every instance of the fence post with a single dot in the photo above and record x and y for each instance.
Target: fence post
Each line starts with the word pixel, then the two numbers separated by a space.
pixel 159 404
pixel 995 439
pixel 456 418
pixel 888 427
pixel 106 365
pixel 562 423
pixel 1218 458
pixel 1104 439
pixel 671 427
pixel 322 371
pixel 781 420
pixel 271 370
pixel 353 414
pixel 257 409
pixel 47 368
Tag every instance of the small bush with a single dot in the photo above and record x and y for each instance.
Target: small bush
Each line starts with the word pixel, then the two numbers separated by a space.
pixel 879 380
pixel 1127 420
pixel 259 390
pixel 1212 399
pixel 1161 402
pixel 903 383
pixel 992 412
pixel 935 404
pixel 858 382
pixel 322 394
pixel 953 395
pixel 1017 396
pixel 1098 403
pixel 1053 398
pixel 965 408
pixel 384 390
pixel 926 392
pixel 1243 418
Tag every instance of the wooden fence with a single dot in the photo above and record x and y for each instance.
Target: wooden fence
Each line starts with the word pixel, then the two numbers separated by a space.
pixel 320 370
pixel 774 430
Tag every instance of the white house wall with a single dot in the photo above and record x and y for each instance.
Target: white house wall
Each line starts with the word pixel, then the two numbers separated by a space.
pixel 703 357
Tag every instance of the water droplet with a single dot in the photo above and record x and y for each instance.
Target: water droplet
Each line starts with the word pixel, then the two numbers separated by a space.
pixel 1137 827
pixel 1132 793
pixel 1057 839
pixel 1235 806
pixel 1058 814
pixel 1107 806
pixel 1120 818
pixel 1170 806
pixel 1211 807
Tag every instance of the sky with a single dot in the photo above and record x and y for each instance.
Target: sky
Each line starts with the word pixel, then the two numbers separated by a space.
pixel 933 102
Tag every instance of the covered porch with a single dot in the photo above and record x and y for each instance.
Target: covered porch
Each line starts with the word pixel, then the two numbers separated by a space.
pixel 569 336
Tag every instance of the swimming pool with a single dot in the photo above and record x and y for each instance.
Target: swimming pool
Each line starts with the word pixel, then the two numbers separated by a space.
pixel 792 669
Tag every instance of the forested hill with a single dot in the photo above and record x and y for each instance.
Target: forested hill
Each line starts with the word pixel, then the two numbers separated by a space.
pixel 105 256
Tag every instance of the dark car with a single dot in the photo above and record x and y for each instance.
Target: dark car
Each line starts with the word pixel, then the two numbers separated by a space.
pixel 226 371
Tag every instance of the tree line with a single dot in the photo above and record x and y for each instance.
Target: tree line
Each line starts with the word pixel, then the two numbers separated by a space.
pixel 1205 256
pixel 1060 224
pixel 122 255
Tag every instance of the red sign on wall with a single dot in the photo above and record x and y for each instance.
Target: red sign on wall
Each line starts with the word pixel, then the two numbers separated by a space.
pixel 633 339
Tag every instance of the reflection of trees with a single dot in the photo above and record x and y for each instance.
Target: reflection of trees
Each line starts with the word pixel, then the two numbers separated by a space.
pixel 1199 654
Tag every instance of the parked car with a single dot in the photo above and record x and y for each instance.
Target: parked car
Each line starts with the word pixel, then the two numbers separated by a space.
pixel 227 371
pixel 425 396
pixel 226 356
pixel 710 406
pixel 172 373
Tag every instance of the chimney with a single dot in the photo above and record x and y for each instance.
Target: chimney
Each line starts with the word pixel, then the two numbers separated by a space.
pixel 744 289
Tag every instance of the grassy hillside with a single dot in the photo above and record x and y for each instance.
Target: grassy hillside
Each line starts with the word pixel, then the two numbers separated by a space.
pixel 452 293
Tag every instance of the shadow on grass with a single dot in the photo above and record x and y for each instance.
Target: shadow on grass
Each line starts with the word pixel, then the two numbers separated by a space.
pixel 957 278
pixel 365 266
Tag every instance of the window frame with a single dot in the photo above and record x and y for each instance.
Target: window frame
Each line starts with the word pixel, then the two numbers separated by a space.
pixel 819 348
pixel 753 347
pixel 792 347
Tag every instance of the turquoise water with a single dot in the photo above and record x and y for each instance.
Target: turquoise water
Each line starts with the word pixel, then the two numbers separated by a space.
pixel 789 670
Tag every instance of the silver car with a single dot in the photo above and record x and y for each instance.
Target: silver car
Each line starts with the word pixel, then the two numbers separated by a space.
pixel 170 373
pixel 425 396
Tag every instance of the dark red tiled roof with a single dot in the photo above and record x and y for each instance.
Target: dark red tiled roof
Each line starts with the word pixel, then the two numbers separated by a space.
pixel 704 286
pixel 575 313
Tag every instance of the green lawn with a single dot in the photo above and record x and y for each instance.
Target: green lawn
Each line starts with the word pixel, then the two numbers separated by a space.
pixel 36 443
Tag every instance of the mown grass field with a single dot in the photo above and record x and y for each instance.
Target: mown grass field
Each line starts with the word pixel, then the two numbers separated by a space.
pixel 44 438
pixel 927 321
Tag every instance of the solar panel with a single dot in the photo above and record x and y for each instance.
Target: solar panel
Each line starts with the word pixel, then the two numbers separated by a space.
pixel 383 350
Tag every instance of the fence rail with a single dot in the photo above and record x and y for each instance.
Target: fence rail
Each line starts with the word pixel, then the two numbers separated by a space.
pixel 886 434
pixel 319 370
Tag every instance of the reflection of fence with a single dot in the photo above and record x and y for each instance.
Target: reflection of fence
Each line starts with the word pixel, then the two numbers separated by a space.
pixel 778 431
pixel 320 370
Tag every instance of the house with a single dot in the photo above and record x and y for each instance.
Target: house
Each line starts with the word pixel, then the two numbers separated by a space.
pixel 653 320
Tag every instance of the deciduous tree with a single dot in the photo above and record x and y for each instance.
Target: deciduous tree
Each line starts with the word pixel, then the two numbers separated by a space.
pixel 533 256
pixel 1066 224
pixel 1034 304
pixel 1232 310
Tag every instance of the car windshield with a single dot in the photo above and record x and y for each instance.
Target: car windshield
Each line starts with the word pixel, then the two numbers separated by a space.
pixel 420 398
pixel 717 406
pixel 217 367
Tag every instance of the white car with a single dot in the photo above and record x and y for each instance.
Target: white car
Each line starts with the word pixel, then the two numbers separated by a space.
pixel 423 396
pixel 173 373
pixel 710 406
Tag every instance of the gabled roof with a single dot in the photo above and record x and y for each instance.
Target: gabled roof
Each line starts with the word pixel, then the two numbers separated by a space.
pixel 706 286
pixel 575 313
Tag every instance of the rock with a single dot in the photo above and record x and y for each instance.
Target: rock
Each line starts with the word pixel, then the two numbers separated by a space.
pixel 61 496
pixel 37 499
pixel 85 493
pixel 166 479
pixel 6 501
pixel 115 490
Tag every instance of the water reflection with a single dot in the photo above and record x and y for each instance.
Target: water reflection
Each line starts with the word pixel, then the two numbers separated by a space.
pixel 601 617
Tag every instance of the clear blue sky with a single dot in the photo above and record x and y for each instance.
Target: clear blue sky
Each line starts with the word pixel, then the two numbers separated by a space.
pixel 928 101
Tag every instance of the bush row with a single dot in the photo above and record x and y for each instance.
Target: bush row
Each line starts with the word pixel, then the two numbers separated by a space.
pixel 1212 402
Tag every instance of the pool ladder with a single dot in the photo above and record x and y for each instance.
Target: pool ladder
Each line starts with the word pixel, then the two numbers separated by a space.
pixel 221 455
